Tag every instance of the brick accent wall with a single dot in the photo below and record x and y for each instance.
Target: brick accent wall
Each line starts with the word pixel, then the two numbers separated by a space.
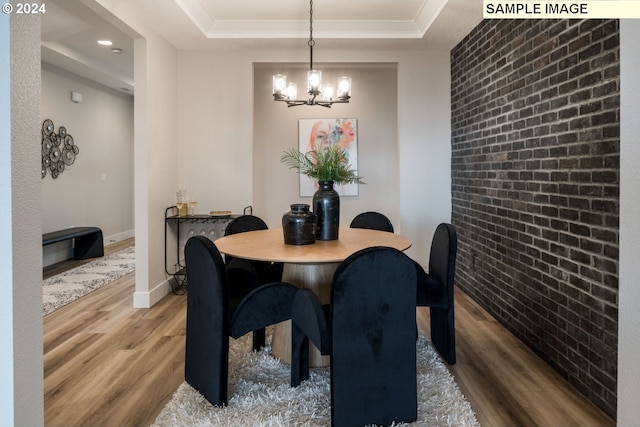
pixel 535 183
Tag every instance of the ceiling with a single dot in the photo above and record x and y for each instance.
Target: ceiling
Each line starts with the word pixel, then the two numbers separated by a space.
pixel 70 29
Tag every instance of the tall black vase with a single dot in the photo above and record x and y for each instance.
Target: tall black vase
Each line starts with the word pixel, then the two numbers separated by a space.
pixel 326 204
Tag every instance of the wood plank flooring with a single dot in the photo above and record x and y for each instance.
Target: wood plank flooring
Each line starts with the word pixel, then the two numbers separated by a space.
pixel 108 364
pixel 505 382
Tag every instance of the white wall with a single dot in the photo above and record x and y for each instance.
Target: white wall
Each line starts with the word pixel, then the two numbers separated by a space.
pixel 629 287
pixel 196 109
pixel 155 145
pixel 424 93
pixel 97 190
pixel 221 154
pixel 214 125
pixel 21 384
pixel 6 226
pixel 275 129
pixel 156 160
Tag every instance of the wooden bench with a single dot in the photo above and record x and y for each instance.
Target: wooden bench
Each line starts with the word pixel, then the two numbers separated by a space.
pixel 87 241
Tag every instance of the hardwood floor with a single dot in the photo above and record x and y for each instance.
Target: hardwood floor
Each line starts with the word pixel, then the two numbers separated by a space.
pixel 505 382
pixel 108 364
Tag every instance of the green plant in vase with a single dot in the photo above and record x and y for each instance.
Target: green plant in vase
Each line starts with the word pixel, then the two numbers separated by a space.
pixel 329 165
pixel 325 163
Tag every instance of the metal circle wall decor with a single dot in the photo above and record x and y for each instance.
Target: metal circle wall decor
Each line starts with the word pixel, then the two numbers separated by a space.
pixel 47 127
pixel 58 149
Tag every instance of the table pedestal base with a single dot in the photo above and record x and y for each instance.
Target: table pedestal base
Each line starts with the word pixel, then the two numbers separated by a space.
pixel 318 278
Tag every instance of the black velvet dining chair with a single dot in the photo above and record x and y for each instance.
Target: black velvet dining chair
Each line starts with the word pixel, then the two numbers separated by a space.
pixel 368 331
pixel 435 290
pixel 267 271
pixel 372 221
pixel 216 311
pixel 247 274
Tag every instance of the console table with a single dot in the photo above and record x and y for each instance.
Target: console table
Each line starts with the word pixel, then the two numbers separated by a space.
pixel 176 268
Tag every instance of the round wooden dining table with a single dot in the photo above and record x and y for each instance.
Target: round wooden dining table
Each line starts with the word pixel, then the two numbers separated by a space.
pixel 306 266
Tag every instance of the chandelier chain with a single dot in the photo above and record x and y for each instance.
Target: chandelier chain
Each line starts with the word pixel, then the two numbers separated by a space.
pixel 311 42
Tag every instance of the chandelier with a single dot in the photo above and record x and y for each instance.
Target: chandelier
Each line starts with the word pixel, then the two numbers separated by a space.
pixel 331 94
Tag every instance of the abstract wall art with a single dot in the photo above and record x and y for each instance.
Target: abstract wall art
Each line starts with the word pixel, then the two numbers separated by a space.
pixel 319 132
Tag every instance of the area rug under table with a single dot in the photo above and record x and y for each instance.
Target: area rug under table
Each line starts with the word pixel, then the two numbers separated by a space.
pixel 260 394
pixel 61 289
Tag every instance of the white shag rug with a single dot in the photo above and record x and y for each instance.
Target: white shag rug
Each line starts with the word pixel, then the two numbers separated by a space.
pixel 260 395
pixel 61 289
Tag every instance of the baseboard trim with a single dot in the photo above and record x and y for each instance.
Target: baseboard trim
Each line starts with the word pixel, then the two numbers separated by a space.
pixel 150 298
pixel 118 237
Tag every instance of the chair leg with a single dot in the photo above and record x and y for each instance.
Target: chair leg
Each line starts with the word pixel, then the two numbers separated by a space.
pixel 259 339
pixel 299 356
pixel 443 333
pixel 207 363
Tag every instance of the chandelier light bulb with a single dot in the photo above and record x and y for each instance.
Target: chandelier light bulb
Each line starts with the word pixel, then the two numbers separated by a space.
pixel 279 85
pixel 292 90
pixel 314 81
pixel 344 87
pixel 327 92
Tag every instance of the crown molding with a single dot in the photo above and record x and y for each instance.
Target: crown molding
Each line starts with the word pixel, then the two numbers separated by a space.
pixel 213 28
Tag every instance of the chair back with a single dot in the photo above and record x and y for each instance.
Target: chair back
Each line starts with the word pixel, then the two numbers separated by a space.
pixel 442 259
pixel 266 271
pixel 373 342
pixel 207 332
pixel 372 221
pixel 245 223
pixel 266 305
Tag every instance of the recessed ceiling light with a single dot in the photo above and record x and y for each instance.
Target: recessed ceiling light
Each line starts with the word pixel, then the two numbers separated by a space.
pixel 105 42
pixel 116 50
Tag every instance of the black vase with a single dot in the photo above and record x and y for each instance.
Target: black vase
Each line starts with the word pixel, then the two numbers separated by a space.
pixel 299 225
pixel 326 204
